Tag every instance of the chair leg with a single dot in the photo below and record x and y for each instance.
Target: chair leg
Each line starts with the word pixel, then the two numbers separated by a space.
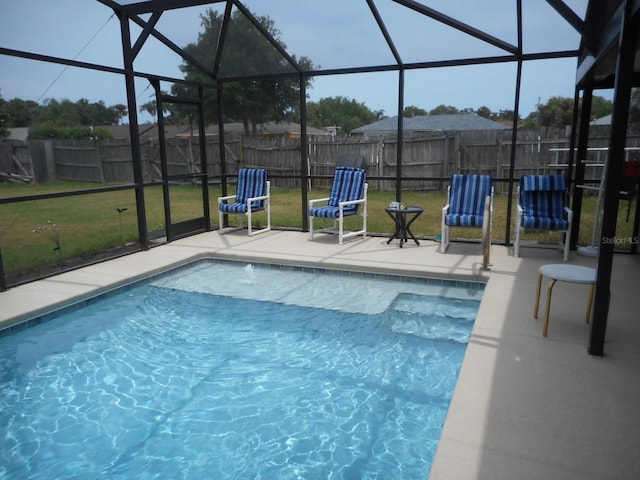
pixel 268 202
pixel 444 232
pixel 486 234
pixel 444 238
pixel 516 246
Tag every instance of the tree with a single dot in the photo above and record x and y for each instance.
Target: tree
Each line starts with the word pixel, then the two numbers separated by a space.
pixel 120 111
pixel 58 114
pixel 601 107
pixel 66 113
pixel 413 111
pixel 246 51
pixel 557 112
pixel 96 113
pixel 484 112
pixel 22 113
pixel 444 110
pixel 341 112
pixel 150 107
pixel 505 116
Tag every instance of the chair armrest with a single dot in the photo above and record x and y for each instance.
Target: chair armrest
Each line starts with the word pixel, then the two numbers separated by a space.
pixel 569 213
pixel 318 200
pixel 445 209
pixel 351 202
pixel 223 199
pixel 253 199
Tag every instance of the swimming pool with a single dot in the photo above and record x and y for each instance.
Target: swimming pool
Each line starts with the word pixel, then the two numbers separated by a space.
pixel 225 370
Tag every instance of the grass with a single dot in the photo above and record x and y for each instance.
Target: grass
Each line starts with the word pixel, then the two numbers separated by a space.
pixel 91 224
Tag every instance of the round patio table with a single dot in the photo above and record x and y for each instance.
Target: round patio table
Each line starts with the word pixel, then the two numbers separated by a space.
pixel 403 218
pixel 565 273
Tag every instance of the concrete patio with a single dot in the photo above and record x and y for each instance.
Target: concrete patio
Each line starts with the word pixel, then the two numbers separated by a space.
pixel 526 407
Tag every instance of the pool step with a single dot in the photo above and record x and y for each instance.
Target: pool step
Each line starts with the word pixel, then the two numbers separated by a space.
pixel 433 318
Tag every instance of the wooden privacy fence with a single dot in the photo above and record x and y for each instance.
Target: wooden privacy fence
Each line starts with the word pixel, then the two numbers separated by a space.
pixel 434 155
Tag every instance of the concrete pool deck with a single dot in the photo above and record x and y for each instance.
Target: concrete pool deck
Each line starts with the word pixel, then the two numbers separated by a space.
pixel 525 406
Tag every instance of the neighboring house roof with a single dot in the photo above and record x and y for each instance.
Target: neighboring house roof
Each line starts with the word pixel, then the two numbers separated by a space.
pixel 606 120
pixel 18 133
pixel 433 123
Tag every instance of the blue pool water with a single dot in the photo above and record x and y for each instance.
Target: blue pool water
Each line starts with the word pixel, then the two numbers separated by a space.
pixel 228 371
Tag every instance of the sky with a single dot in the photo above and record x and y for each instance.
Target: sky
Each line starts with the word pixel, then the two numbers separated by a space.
pixel 332 33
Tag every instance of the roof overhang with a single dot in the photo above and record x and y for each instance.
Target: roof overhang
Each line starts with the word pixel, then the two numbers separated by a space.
pixel 600 45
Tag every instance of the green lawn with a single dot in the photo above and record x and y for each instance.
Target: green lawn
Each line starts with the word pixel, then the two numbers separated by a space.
pixel 88 225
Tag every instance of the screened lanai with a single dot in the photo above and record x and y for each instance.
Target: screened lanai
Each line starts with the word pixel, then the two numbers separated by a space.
pixel 389 54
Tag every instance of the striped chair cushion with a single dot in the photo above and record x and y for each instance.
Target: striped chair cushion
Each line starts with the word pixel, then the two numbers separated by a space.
pixel 466 200
pixel 252 182
pixel 348 185
pixel 542 183
pixel 235 208
pixel 542 198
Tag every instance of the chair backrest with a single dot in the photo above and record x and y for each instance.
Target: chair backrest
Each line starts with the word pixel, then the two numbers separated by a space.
pixel 348 184
pixel 468 193
pixel 252 182
pixel 543 195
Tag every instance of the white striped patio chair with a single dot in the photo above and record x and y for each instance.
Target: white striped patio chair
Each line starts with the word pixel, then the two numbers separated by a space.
pixel 470 204
pixel 252 196
pixel 348 197
pixel 541 206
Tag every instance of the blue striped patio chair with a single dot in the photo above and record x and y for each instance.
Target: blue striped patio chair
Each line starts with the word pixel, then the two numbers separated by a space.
pixel 348 197
pixel 470 204
pixel 541 206
pixel 252 195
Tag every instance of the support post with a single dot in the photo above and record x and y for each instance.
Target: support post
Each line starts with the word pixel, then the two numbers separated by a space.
pixel 622 97
pixel 136 156
pixel 221 150
pixel 581 154
pixel 400 135
pixel 204 167
pixel 514 134
pixel 304 159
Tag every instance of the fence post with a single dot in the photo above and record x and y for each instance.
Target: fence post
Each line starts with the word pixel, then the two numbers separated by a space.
pixel 49 161
pixel 99 164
